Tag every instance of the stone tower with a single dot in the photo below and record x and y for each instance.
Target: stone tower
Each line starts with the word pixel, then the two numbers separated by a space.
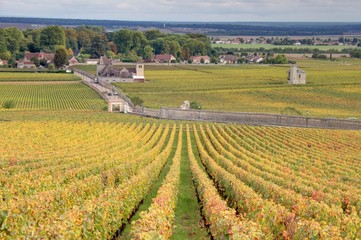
pixel 296 75
pixel 139 69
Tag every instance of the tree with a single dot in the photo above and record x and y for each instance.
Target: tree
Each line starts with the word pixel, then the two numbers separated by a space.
pixel 83 39
pixel 280 59
pixel 71 38
pixel 112 47
pixel 52 36
pixel 70 52
pixel 160 45
pixel 51 67
pixel 123 39
pixel 61 57
pixel 129 41
pixel 356 53
pixel 153 34
pixel 139 42
pixel 3 47
pixel 148 52
pixel 98 46
pixel 36 61
pixel 14 39
pixel 32 47
pixel 110 55
pixel 5 55
pixel 174 48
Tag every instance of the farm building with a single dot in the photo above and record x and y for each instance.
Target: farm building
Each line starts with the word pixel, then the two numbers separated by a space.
pixel 296 75
pixel 39 55
pixel 73 61
pixel 3 62
pixel 92 61
pixel 107 72
pixel 228 59
pixel 254 59
pixel 164 58
pixel 198 59
pixel 25 64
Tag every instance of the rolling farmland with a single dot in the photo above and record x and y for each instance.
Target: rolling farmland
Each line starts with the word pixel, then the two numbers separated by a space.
pixel 333 88
pixel 84 179
pixel 94 175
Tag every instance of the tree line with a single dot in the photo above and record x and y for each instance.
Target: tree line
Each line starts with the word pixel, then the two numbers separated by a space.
pixel 93 42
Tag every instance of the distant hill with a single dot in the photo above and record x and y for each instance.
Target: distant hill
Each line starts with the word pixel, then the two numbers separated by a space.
pixel 215 28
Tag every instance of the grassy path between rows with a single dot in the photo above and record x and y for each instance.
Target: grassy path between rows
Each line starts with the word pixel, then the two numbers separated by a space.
pixel 188 221
pixel 153 193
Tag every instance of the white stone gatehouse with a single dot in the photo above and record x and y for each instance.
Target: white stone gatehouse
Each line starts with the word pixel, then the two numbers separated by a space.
pixel 118 106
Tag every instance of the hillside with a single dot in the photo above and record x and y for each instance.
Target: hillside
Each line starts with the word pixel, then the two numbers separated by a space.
pixel 332 90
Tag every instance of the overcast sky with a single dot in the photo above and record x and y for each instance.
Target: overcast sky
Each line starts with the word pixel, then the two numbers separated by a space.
pixel 188 10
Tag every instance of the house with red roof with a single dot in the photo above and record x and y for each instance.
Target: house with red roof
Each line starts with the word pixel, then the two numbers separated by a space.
pixel 73 61
pixel 3 62
pixel 39 55
pixel 164 58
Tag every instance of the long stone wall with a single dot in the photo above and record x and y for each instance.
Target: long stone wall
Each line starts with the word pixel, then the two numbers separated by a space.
pixel 250 118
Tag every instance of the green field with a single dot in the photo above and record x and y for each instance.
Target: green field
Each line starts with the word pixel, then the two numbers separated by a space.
pixel 333 89
pixel 270 46
pixel 19 76
pixel 75 96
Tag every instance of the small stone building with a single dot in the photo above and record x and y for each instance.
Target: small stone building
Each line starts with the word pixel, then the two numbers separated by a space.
pixel 296 75
pixel 185 105
pixel 107 72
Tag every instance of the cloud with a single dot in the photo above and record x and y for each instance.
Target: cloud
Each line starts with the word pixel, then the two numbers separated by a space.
pixel 188 10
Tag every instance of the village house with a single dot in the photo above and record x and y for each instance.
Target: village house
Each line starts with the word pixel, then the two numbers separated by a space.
pixel 219 42
pixel 25 64
pixel 3 62
pixel 254 59
pixel 92 61
pixel 73 61
pixel 164 58
pixel 296 75
pixel 106 71
pixel 228 59
pixel 198 59
pixel 39 55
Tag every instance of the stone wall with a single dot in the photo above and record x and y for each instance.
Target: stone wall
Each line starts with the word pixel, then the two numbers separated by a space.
pixel 250 118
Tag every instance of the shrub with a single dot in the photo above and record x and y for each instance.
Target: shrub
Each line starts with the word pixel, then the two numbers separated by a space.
pixel 9 104
pixel 195 105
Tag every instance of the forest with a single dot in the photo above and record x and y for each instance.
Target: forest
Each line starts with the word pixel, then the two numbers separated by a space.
pixel 93 42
